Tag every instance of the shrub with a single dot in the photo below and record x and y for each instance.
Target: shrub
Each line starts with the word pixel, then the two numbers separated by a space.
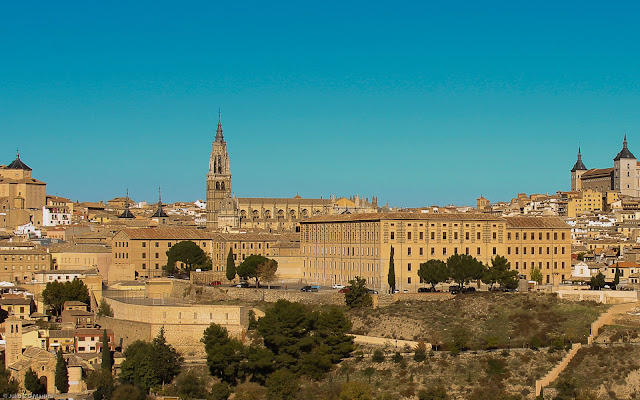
pixel 378 356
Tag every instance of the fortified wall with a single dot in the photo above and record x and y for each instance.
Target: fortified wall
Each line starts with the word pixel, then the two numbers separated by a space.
pixel 184 324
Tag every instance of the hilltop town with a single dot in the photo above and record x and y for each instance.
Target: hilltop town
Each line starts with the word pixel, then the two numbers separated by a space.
pixel 515 294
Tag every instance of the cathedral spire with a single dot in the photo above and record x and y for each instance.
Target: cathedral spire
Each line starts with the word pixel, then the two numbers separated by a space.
pixel 579 165
pixel 219 137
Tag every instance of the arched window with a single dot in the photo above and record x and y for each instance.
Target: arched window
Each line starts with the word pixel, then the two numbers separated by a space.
pixel 222 186
pixel 217 185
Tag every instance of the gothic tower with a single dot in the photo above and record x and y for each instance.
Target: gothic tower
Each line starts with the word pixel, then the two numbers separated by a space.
pixel 218 178
pixel 576 173
pixel 625 166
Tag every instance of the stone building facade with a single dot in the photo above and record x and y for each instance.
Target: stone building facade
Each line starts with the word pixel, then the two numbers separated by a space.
pixel 22 265
pixel 335 249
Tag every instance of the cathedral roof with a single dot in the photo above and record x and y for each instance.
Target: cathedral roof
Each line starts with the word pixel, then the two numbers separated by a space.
pixel 159 212
pixel 127 214
pixel 219 137
pixel 18 164
pixel 624 153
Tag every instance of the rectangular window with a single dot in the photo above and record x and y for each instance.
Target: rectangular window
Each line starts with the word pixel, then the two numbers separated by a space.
pixel 157 244
pixel 508 250
pixel 144 255
pixel 444 251
pixel 455 235
pixel 444 235
pixel 421 251
pixel 478 236
pixel 144 244
pixel 478 251
pixel 408 235
pixel 495 235
pixel 421 235
pixel 408 251
pixel 157 255
pixel 495 251
pixel 433 235
pixel 466 235
pixel 409 279
pixel 393 235
pixel 433 251
pixel 409 267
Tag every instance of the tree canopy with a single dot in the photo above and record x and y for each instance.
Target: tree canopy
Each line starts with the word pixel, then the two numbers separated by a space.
pixel 258 267
pixel 597 282
pixel 149 364
pixel 32 383
pixel 231 266
pixel 391 278
pixel 358 295
pixel 433 272
pixel 295 340
pixel 464 268
pixel 62 375
pixel 500 272
pixel 56 293
pixel 188 253
pixel 536 275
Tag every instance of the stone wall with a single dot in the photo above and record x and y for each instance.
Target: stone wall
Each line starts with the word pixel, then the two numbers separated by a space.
pixel 600 296
pixel 183 289
pixel 183 324
pixel 126 332
pixel 386 342
pixel 555 372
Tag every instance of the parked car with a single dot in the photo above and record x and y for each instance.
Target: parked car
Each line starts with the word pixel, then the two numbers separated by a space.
pixel 338 286
pixel 343 290
pixel 215 283
pixel 309 289
pixel 243 285
pixel 425 290
pixel 468 289
pixel 372 291
pixel 454 289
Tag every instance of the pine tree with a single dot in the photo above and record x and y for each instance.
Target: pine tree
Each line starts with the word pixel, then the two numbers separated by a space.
pixel 107 358
pixel 231 266
pixel 62 375
pixel 32 383
pixel 616 279
pixel 392 273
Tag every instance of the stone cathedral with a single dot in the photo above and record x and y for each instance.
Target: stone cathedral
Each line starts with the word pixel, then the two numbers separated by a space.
pixel 225 211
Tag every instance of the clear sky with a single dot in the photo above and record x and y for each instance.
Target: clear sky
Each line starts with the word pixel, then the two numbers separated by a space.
pixel 418 103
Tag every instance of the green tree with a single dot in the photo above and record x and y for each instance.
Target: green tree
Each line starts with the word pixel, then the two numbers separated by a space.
pixel 358 295
pixel 500 272
pixel 369 372
pixel 378 356
pixel 8 385
pixel 190 384
pixel 616 279
pixel 433 272
pixel 107 357
pixel 536 275
pixel 104 309
pixel 282 385
pixel 220 391
pixel 190 254
pixel 283 328
pixel 102 381
pixel 391 278
pixel 225 355
pixel 257 267
pixel 62 375
pixel 32 383
pixel 420 352
pixel 464 268
pixel 149 364
pixel 597 282
pixel 231 266
pixel 128 392
pixel 580 256
pixel 355 391
pixel 55 294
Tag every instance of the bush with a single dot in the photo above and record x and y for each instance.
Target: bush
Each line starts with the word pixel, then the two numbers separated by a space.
pixel 397 357
pixel 378 356
pixel 438 393
pixel 420 352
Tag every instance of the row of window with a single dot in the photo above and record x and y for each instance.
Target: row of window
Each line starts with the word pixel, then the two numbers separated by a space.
pixel 20 258
pixel 21 267
pixel 533 250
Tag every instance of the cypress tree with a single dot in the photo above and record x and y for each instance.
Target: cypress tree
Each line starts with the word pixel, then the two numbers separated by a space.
pixel 62 375
pixel 392 273
pixel 616 279
pixel 231 266
pixel 107 358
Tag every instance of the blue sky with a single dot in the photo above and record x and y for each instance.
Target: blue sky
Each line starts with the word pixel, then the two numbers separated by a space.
pixel 418 103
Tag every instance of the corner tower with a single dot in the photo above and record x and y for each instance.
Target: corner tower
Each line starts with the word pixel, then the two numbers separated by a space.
pixel 625 166
pixel 218 178
pixel 576 173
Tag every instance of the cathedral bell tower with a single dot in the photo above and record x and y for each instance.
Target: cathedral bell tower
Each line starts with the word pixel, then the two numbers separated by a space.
pixel 576 173
pixel 218 178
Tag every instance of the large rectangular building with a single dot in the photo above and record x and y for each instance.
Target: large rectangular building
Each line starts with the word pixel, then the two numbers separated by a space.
pixel 335 249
